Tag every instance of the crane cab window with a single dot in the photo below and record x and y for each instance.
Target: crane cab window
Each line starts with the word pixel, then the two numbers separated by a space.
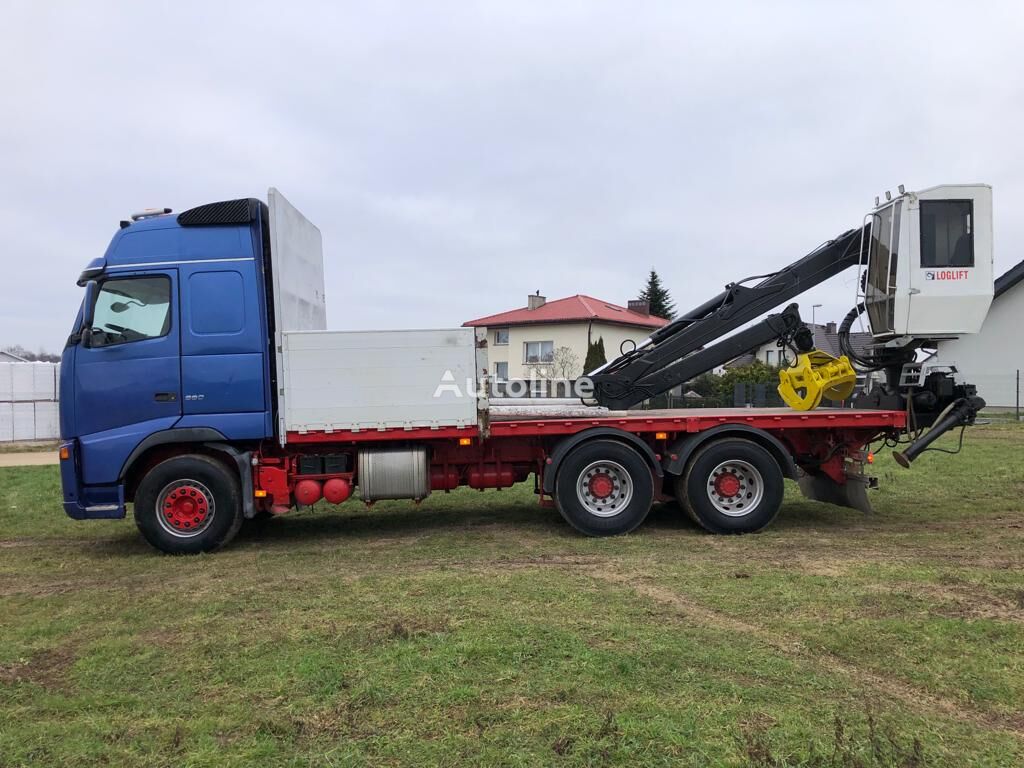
pixel 131 309
pixel 947 233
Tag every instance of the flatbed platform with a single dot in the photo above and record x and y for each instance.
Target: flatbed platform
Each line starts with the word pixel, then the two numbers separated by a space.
pixel 639 422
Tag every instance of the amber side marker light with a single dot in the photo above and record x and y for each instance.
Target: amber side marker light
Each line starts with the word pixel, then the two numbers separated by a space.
pixel 465 441
pixel 65 454
pixel 871 458
pixel 259 493
pixel 661 435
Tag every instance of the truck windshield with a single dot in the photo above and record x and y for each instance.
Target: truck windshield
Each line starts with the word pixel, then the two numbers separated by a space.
pixel 880 288
pixel 131 309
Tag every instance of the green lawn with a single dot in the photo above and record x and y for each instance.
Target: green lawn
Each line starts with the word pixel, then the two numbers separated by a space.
pixel 478 629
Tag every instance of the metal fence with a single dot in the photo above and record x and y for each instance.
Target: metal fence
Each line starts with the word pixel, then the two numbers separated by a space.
pixel 1002 393
pixel 743 395
pixel 28 401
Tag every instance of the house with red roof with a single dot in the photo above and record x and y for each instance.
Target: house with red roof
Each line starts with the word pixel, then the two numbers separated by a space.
pixel 549 339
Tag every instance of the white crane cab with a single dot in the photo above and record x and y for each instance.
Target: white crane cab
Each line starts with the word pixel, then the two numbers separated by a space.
pixel 928 262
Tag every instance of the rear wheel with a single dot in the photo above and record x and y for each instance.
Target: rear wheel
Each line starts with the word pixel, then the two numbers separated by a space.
pixel 604 488
pixel 188 504
pixel 731 486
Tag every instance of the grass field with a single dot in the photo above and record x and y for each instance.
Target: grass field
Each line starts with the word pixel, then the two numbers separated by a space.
pixel 478 629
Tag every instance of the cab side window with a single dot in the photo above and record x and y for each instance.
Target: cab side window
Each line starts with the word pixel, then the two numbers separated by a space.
pixel 131 309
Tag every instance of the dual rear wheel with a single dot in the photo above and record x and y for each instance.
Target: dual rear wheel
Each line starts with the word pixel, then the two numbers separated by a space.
pixel 730 485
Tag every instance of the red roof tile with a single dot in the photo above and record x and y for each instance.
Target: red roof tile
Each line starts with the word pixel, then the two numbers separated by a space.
pixel 571 309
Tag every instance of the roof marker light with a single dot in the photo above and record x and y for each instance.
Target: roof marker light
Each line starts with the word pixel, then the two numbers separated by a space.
pixel 148 213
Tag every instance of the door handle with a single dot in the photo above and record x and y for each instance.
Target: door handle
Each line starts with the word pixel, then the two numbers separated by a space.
pixel 165 397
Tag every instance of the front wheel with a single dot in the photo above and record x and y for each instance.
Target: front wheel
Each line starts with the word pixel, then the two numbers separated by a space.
pixel 604 488
pixel 731 486
pixel 188 504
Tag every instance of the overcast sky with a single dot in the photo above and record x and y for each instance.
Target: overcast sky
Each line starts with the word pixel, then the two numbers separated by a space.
pixel 458 156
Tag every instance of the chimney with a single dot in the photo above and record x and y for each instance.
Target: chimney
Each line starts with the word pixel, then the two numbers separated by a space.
pixel 830 327
pixel 535 301
pixel 639 306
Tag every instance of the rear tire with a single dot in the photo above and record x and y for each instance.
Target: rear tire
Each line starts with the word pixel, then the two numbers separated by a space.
pixel 731 486
pixel 188 504
pixel 604 488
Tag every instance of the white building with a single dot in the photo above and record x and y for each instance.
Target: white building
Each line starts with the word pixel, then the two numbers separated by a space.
pixel 826 338
pixel 549 339
pixel 993 358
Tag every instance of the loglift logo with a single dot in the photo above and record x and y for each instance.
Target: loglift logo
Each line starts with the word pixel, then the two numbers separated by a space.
pixel 947 274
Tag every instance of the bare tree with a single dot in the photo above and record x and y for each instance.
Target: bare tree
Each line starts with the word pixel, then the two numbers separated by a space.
pixel 565 363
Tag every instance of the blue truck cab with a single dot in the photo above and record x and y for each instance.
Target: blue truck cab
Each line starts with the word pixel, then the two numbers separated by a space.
pixel 172 345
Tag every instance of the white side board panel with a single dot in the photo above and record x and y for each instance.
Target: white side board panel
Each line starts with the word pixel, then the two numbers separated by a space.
pixel 297 265
pixel 337 380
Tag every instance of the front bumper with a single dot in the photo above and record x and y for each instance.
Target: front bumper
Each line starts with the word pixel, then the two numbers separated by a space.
pixel 96 502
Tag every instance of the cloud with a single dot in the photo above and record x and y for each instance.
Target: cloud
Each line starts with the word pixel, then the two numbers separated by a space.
pixel 459 156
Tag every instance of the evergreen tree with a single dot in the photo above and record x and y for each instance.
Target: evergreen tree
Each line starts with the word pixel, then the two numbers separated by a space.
pixel 657 296
pixel 595 355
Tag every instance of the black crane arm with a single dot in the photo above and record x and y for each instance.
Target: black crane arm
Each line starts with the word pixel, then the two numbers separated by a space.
pixel 680 352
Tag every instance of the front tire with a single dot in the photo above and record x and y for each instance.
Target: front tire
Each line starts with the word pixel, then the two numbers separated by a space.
pixel 731 486
pixel 604 488
pixel 188 504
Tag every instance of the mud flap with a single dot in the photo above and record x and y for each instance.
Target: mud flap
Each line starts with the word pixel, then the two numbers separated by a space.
pixel 852 494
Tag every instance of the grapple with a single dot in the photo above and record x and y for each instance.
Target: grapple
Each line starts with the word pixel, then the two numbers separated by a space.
pixel 816 375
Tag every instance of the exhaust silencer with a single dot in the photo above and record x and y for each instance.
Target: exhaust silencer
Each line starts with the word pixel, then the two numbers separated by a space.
pixel 961 412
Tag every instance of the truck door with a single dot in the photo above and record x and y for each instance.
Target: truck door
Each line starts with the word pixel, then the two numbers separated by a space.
pixel 129 374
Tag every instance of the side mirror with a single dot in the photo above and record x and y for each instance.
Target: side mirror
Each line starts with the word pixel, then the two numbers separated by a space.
pixel 88 311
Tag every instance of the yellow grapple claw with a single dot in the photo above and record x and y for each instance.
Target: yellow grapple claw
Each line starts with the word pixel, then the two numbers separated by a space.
pixel 813 376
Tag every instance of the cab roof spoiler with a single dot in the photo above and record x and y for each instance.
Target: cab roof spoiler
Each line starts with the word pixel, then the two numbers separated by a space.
pixel 241 211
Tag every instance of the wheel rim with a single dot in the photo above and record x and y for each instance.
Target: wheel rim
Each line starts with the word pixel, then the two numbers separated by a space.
pixel 735 488
pixel 604 488
pixel 185 508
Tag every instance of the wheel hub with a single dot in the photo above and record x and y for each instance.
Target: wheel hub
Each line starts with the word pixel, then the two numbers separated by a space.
pixel 601 486
pixel 604 488
pixel 735 488
pixel 185 508
pixel 727 485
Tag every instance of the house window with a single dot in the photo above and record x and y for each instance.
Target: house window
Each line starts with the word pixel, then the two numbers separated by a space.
pixel 501 337
pixel 501 371
pixel 769 356
pixel 538 351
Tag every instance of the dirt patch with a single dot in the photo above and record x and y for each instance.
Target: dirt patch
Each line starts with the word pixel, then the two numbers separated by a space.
pixel 958 601
pixel 888 687
pixel 532 561
pixel 47 669
pixel 29 459
pixel 406 628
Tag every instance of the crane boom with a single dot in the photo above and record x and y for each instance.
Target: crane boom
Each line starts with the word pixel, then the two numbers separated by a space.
pixel 679 352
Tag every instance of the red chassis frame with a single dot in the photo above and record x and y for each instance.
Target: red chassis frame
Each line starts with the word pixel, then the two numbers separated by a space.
pixel 825 439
